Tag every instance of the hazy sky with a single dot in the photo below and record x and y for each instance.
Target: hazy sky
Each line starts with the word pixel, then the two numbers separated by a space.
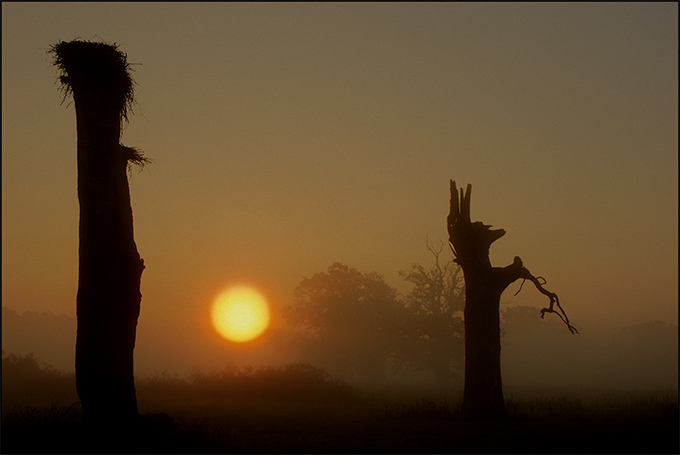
pixel 287 137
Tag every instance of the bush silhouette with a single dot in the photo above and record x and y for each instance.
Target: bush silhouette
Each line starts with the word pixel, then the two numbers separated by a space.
pixel 25 382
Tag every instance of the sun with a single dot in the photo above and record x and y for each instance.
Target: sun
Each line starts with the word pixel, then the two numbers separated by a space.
pixel 240 314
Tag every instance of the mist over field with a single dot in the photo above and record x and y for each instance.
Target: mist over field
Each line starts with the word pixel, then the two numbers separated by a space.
pixel 535 353
pixel 616 390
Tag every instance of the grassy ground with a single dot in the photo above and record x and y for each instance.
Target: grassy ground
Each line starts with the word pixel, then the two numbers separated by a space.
pixel 399 427
pixel 300 409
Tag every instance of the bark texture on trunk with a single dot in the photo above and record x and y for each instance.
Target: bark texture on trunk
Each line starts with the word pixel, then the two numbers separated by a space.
pixel 110 267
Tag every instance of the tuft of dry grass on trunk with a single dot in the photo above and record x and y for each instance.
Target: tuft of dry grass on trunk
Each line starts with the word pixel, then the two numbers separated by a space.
pixel 106 64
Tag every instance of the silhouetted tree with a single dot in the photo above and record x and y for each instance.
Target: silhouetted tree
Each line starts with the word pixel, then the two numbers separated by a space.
pixel 484 284
pixel 347 321
pixel 433 323
pixel 97 75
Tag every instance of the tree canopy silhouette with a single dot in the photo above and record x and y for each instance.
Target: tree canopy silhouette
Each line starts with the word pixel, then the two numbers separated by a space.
pixel 433 321
pixel 359 328
pixel 347 321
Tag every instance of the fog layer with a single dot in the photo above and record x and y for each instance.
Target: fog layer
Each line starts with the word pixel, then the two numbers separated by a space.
pixel 536 353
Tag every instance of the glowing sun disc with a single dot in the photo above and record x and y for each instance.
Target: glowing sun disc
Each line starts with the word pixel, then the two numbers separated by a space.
pixel 240 314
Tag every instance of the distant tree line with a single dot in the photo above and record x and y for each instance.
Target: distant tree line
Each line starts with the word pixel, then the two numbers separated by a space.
pixel 641 356
pixel 361 329
pixel 26 382
pixel 50 337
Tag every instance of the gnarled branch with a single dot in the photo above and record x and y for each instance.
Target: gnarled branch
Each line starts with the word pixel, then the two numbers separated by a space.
pixel 554 300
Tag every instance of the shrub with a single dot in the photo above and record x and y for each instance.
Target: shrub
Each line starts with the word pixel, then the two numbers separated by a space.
pixel 25 382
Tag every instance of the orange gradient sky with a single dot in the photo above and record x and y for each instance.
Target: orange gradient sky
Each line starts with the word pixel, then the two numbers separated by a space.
pixel 287 137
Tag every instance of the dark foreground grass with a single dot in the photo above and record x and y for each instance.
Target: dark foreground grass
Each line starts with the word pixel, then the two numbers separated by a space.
pixel 420 427
pixel 60 430
pixel 299 408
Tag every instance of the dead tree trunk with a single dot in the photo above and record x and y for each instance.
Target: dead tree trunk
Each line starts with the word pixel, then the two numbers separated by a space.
pixel 484 284
pixel 110 268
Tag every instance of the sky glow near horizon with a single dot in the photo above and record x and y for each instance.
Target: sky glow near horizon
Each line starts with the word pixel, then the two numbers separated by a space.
pixel 286 137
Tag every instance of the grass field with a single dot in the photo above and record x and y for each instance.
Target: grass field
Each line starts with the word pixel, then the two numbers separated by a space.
pixel 300 409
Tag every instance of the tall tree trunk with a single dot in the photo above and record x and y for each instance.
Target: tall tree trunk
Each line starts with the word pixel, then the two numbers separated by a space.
pixel 483 395
pixel 484 284
pixel 110 268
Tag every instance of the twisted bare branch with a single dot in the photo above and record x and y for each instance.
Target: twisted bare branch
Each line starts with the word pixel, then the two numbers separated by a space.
pixel 554 300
